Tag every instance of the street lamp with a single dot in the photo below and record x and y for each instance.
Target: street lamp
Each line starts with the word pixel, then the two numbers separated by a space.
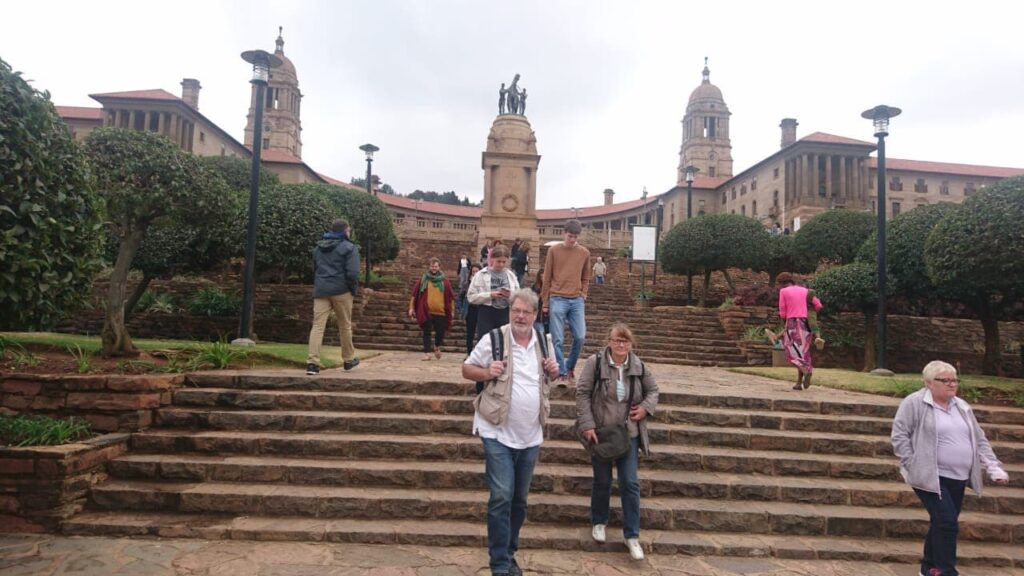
pixel 369 149
pixel 690 171
pixel 880 116
pixel 657 236
pixel 262 62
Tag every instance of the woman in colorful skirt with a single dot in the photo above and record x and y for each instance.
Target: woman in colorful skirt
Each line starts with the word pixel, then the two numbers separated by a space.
pixel 797 337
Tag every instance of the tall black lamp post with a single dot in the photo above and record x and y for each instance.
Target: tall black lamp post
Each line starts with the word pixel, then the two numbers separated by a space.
pixel 369 149
pixel 690 171
pixel 657 239
pixel 262 62
pixel 880 116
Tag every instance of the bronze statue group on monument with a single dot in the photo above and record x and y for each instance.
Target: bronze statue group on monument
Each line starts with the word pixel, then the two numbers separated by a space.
pixel 512 100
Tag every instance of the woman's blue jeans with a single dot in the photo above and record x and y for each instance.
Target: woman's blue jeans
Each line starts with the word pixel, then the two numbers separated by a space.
pixel 629 490
pixel 508 472
pixel 944 512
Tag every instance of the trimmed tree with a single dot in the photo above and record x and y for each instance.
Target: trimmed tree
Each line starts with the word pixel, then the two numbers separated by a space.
pixel 50 215
pixel 144 179
pixel 714 242
pixel 854 288
pixel 835 236
pixel 292 218
pixel 369 217
pixel 976 253
pixel 905 238
pixel 780 256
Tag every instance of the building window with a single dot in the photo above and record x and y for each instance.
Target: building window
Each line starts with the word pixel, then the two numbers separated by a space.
pixel 775 198
pixel 202 136
pixel 700 208
pixel 871 183
pixel 775 173
pixel 969 189
pixel 743 190
pixel 896 185
pixel 725 197
pixel 266 143
pixel 753 184
pixel 753 208
pixel 223 151
pixel 672 220
pixel 895 209
pixel 711 171
pixel 944 188
pixel 733 211
pixel 154 121
pixel 920 186
pixel 743 210
pixel 733 192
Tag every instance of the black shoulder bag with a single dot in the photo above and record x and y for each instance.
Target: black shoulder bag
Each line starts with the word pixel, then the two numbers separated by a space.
pixel 613 440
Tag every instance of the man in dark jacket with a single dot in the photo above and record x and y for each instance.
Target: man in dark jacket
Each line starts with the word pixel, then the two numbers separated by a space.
pixel 335 283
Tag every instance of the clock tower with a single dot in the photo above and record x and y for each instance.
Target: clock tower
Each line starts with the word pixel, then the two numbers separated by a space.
pixel 282 129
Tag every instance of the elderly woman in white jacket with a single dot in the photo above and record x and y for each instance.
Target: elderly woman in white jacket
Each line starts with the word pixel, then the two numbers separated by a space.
pixel 942 450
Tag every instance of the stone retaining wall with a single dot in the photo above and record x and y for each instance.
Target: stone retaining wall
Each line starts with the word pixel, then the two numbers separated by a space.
pixel 42 486
pixel 109 403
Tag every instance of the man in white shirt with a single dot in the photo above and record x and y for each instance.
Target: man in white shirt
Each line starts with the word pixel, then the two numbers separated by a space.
pixel 509 418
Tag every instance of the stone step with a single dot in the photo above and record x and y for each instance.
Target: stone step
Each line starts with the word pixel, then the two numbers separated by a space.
pixel 548 478
pixel 784 400
pixel 468 448
pixel 534 536
pixel 462 404
pixel 556 428
pixel 661 513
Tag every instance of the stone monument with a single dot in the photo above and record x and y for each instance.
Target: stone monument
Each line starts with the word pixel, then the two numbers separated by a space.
pixel 510 180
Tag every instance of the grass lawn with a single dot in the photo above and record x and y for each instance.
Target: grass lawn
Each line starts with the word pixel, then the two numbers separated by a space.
pixel 268 353
pixel 972 387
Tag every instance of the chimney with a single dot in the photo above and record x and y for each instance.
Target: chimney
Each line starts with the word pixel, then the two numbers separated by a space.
pixel 788 131
pixel 608 196
pixel 190 92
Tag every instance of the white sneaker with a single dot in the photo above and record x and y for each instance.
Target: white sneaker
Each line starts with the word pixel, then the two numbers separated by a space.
pixel 598 533
pixel 636 552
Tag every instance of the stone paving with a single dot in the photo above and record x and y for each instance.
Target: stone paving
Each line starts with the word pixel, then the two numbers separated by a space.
pixel 90 556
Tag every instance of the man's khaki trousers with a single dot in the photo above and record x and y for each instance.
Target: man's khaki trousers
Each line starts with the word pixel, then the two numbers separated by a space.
pixel 342 306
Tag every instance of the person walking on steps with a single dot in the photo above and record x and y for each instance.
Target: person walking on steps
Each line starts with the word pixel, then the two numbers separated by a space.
pixel 797 337
pixel 490 290
pixel 616 387
pixel 599 269
pixel 472 311
pixel 509 416
pixel 565 285
pixel 335 283
pixel 432 306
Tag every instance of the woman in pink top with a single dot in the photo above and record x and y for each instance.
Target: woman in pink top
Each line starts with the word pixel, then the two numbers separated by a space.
pixel 797 337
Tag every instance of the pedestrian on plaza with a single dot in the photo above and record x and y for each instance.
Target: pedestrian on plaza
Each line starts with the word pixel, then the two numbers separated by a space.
pixel 942 450
pixel 538 288
pixel 615 387
pixel 520 259
pixel 797 337
pixel 472 311
pixel 464 277
pixel 566 281
pixel 335 284
pixel 509 419
pixel 490 289
pixel 432 305
pixel 599 270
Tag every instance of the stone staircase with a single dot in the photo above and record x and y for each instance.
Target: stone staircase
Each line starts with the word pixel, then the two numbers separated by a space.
pixel 347 458
pixel 687 336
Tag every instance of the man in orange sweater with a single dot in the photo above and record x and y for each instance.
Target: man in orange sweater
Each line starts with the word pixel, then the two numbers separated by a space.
pixel 564 294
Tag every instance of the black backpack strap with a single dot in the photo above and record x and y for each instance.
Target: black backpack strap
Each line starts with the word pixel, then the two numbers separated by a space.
pixel 543 342
pixel 497 344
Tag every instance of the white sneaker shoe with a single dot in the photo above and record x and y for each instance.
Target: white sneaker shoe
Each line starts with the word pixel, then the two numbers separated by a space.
pixel 636 552
pixel 598 533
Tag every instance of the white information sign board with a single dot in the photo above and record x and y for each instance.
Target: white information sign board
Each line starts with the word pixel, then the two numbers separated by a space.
pixel 645 243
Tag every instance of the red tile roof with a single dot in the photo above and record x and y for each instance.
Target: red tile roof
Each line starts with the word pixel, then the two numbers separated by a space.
pixel 431 207
pixel 824 138
pixel 336 182
pixel 947 168
pixel 155 94
pixel 80 112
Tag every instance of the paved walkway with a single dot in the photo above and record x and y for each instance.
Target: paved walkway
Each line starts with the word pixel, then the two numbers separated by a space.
pixel 90 556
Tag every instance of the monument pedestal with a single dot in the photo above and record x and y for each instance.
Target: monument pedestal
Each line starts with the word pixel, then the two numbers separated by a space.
pixel 510 181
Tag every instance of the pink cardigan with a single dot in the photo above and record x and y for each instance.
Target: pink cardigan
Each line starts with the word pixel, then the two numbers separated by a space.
pixel 793 302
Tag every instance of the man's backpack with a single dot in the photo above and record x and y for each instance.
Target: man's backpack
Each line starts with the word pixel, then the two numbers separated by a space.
pixel 498 343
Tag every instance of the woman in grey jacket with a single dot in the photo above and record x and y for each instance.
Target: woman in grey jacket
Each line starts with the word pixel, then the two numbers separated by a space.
pixel 606 383
pixel 942 449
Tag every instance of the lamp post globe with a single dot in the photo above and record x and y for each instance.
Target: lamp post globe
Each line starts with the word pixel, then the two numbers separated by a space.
pixel 880 116
pixel 369 149
pixel 262 61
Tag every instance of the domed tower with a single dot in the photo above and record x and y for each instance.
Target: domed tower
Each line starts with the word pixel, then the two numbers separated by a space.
pixel 706 132
pixel 282 129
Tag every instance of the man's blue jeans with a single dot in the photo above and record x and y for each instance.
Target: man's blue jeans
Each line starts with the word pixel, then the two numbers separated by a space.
pixel 629 491
pixel 944 512
pixel 508 472
pixel 560 309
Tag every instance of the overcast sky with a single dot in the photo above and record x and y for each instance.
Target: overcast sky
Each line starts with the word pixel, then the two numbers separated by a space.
pixel 608 81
